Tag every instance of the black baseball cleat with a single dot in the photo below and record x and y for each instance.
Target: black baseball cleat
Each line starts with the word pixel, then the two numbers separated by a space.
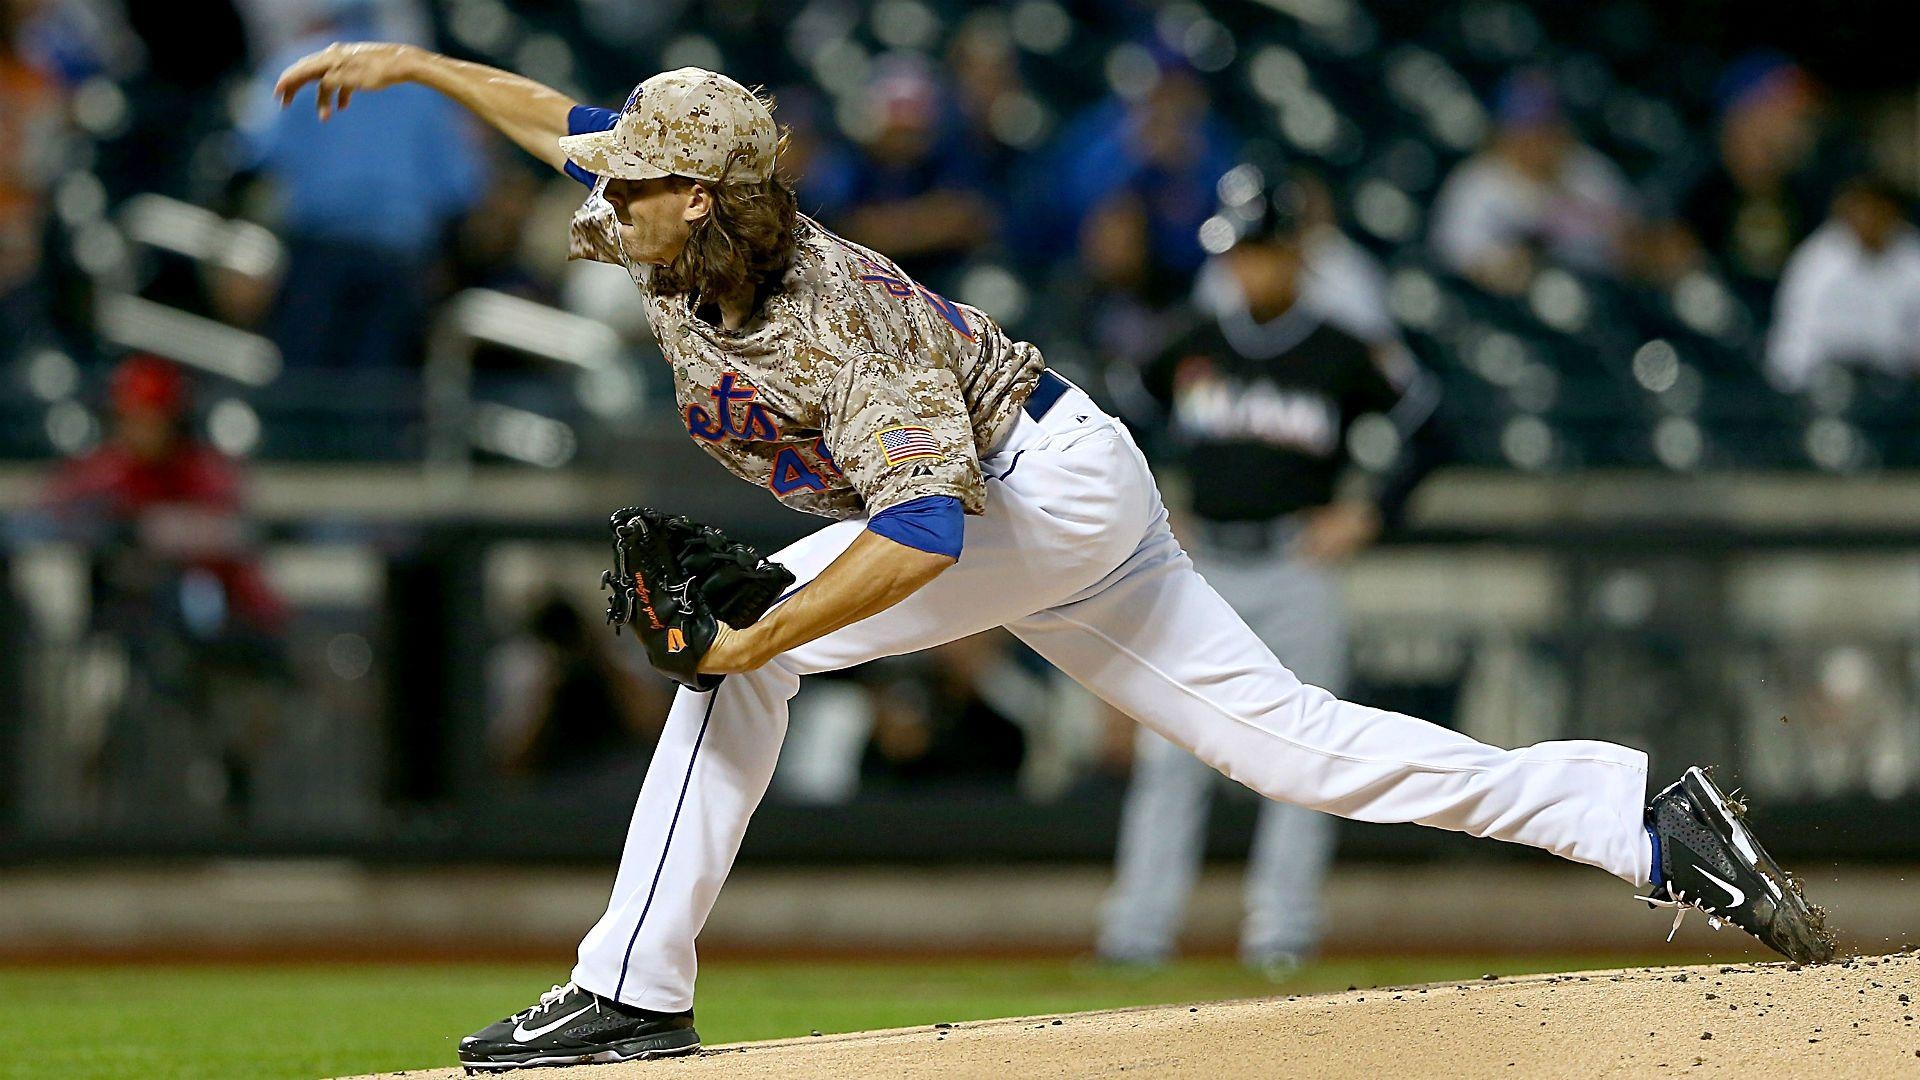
pixel 571 1026
pixel 1709 860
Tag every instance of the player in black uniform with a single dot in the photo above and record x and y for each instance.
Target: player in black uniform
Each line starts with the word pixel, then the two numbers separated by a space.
pixel 1262 401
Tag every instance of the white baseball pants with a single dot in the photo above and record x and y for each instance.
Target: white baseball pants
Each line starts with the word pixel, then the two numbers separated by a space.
pixel 1074 556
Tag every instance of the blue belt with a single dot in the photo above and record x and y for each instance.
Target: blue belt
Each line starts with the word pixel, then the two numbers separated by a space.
pixel 1045 393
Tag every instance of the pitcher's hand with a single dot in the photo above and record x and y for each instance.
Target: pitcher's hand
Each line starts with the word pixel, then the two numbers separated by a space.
pixel 340 69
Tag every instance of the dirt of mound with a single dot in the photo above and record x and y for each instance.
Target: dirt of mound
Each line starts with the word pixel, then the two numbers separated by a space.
pixel 1852 1019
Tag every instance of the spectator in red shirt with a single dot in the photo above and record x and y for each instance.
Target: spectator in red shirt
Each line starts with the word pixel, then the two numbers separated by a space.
pixel 178 499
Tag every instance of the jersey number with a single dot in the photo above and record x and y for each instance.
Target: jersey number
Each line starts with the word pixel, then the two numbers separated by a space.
pixel 946 308
pixel 790 471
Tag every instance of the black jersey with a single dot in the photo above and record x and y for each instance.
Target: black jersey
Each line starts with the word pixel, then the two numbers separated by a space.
pixel 1258 413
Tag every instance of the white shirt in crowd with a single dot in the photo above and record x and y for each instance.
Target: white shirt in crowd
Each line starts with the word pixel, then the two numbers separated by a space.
pixel 1487 206
pixel 1840 302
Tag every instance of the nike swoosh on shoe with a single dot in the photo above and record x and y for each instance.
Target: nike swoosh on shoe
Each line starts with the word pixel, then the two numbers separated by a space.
pixel 1738 896
pixel 521 1034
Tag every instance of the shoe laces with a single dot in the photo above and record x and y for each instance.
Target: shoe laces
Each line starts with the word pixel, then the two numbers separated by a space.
pixel 1677 900
pixel 548 1000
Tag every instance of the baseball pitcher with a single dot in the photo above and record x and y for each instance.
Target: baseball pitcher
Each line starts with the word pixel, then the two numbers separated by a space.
pixel 970 488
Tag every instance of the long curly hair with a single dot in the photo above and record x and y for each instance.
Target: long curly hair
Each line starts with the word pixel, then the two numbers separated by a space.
pixel 745 240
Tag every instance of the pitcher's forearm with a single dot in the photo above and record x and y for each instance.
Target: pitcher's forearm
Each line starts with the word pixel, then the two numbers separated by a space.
pixel 532 114
pixel 872 575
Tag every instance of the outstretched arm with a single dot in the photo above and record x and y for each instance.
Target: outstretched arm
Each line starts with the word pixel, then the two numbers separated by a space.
pixel 872 575
pixel 533 115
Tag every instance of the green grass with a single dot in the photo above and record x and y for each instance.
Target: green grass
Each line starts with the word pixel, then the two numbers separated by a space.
pixel 314 1020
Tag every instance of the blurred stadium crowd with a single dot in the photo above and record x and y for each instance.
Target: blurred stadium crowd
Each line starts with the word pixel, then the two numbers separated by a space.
pixel 1616 248
pixel 1612 246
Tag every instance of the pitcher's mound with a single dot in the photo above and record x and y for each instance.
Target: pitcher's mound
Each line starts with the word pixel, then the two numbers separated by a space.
pixel 1852 1019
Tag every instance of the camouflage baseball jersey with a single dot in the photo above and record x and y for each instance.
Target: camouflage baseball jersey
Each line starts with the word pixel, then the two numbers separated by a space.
pixel 852 390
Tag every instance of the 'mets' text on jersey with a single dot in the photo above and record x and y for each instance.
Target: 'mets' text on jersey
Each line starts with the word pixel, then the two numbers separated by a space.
pixel 852 389
pixel 1261 415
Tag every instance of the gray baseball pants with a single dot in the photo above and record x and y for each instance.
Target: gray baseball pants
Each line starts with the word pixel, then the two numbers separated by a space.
pixel 1296 608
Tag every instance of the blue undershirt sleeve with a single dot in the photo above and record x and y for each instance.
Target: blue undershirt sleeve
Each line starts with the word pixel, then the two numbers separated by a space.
pixel 582 119
pixel 931 523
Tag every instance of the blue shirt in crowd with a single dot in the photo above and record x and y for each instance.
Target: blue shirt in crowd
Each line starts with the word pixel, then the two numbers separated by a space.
pixel 389 171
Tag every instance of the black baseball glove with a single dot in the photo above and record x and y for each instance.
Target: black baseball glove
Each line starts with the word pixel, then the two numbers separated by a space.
pixel 674 580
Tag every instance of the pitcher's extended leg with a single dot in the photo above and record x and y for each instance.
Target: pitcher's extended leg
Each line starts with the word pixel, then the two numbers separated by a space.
pixel 1159 643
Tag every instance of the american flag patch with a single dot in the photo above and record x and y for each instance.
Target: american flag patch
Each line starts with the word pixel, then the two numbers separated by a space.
pixel 906 443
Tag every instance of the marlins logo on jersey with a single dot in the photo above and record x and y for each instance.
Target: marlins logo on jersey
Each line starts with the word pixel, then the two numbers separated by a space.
pixel 1211 406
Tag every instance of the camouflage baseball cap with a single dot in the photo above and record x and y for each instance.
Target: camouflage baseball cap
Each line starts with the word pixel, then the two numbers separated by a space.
pixel 688 122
